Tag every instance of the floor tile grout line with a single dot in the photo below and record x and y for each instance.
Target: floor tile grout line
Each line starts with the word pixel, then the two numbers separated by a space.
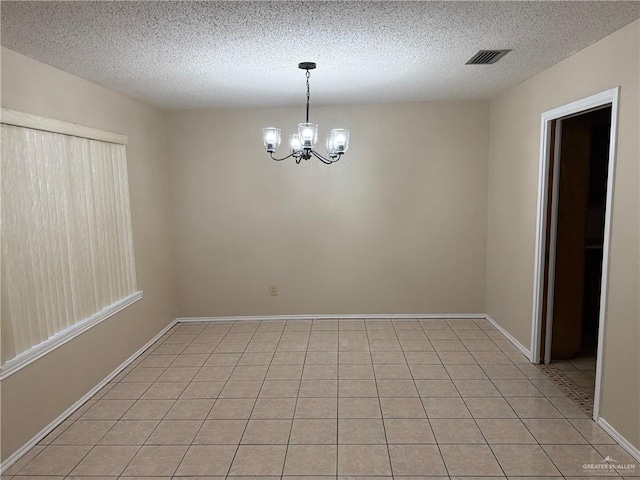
pixel 115 422
pixel 169 409
pixel 537 442
pixel 523 423
pixel 295 406
pixel 380 401
pixel 70 470
pixel 541 396
pixel 95 444
pixel 446 467
pixel 491 449
pixel 338 396
pixel 480 429
pixel 255 400
pixel 215 400
pixel 338 404
pixel 518 416
pixel 368 351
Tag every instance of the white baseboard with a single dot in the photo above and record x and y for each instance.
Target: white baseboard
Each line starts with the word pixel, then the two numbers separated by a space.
pixel 351 316
pixel 525 351
pixel 622 441
pixel 15 456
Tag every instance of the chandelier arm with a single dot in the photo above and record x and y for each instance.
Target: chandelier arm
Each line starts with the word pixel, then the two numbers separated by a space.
pixel 279 159
pixel 321 158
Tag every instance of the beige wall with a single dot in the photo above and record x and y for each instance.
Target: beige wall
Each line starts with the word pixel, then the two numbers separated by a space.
pixel 397 226
pixel 34 396
pixel 513 176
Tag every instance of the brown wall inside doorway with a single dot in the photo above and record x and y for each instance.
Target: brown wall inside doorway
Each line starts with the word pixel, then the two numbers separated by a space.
pixel 580 230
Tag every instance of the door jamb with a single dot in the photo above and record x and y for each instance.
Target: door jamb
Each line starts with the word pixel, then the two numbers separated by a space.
pixel 603 98
pixel 552 242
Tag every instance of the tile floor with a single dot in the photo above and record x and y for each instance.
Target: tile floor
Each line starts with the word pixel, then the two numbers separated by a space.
pixel 581 371
pixel 327 398
pixel 576 378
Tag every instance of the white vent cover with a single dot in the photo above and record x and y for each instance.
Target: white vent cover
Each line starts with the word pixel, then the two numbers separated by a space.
pixel 487 57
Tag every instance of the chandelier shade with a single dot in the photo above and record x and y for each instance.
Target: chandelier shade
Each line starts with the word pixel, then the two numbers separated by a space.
pixel 294 143
pixel 340 140
pixel 302 144
pixel 308 133
pixel 271 137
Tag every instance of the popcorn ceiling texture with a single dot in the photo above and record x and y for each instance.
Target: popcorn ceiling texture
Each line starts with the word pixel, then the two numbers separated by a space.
pixel 182 55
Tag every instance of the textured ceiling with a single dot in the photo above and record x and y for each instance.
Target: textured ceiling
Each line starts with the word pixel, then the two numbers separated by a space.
pixel 178 55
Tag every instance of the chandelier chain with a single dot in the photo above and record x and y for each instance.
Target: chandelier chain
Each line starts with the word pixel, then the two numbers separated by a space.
pixel 308 94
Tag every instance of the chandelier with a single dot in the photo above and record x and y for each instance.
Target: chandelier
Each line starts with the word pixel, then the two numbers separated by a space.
pixel 302 143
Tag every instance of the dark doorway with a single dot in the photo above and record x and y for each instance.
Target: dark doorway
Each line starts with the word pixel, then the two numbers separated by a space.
pixel 574 244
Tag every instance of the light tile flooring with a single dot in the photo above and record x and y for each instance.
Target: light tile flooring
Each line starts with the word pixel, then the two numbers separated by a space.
pixel 581 371
pixel 576 378
pixel 325 398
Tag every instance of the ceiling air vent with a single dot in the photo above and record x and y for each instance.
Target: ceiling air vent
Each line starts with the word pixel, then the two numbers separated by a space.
pixel 487 57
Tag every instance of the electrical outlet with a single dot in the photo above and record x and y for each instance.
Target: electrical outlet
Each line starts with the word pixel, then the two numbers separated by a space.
pixel 273 290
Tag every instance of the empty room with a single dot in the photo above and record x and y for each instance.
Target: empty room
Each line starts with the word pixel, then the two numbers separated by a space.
pixel 290 240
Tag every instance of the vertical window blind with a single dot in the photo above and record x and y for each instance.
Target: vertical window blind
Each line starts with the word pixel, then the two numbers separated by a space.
pixel 67 247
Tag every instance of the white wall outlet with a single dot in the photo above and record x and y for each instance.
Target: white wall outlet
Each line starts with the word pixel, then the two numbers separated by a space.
pixel 273 290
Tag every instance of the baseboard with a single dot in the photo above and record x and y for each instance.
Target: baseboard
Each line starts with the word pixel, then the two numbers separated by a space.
pixel 15 456
pixel 374 316
pixel 617 436
pixel 525 351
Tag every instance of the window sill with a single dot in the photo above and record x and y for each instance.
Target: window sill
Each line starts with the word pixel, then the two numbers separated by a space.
pixel 60 338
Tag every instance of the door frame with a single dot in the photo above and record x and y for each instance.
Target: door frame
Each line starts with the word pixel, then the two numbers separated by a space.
pixel 580 106
pixel 553 237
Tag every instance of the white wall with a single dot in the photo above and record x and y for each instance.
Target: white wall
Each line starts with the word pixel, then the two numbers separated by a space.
pixel 397 226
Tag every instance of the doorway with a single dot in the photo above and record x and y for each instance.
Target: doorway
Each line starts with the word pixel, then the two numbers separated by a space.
pixel 574 215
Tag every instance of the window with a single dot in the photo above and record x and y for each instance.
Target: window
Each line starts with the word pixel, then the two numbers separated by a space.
pixel 67 247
